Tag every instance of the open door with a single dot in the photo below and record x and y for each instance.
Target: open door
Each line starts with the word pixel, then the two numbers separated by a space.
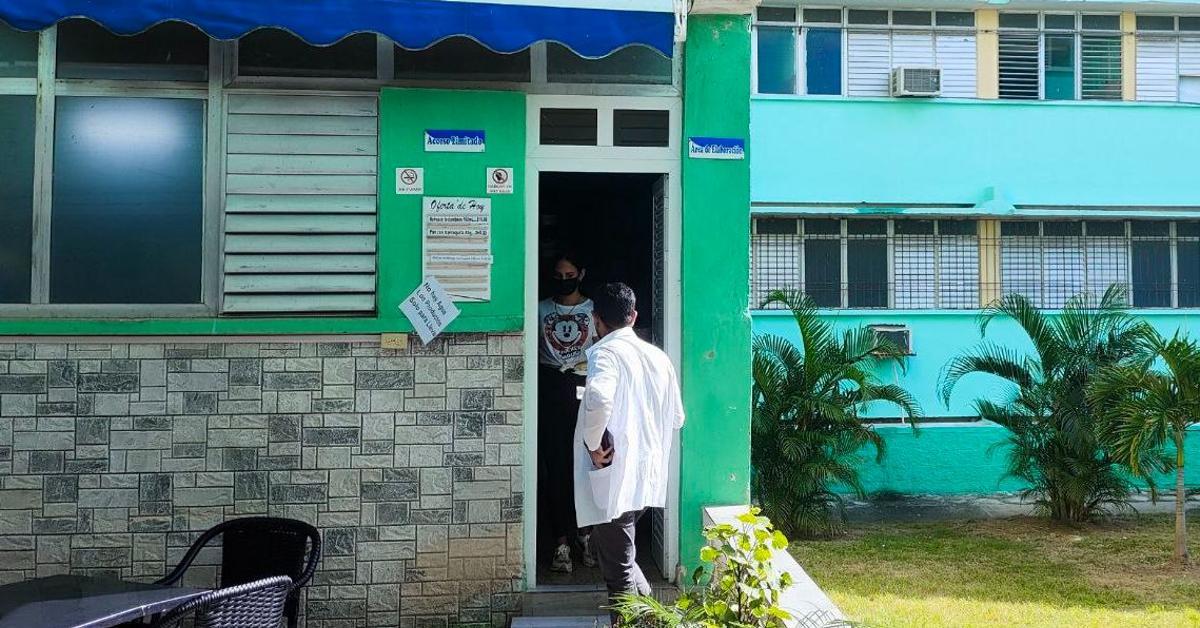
pixel 658 217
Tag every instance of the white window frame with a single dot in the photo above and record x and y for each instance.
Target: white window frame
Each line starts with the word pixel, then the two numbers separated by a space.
pixel 844 237
pixel 799 26
pixel 1176 34
pixel 1077 32
pixel 47 87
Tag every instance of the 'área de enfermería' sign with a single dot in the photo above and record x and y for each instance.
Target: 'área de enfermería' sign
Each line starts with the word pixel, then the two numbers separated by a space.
pixel 429 309
pixel 454 141
pixel 457 245
pixel 716 148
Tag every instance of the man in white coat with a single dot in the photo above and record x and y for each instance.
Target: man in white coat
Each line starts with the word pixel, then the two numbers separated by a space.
pixel 630 411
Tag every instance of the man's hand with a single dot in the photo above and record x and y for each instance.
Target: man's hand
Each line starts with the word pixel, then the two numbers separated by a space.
pixel 601 457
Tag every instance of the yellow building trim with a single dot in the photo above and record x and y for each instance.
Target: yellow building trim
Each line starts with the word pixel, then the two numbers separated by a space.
pixel 987 53
pixel 989 261
pixel 1128 56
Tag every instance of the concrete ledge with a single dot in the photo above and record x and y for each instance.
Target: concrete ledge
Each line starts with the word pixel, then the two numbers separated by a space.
pixel 804 599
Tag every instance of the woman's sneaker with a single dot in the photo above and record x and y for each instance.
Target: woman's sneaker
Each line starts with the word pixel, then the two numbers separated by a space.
pixel 585 550
pixel 562 560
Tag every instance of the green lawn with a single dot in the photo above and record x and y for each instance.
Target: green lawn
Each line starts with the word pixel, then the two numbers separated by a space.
pixel 1010 572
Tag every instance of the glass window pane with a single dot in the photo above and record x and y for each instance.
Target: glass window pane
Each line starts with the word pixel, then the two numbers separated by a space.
pixel 1101 22
pixel 824 60
pixel 18 53
pixel 823 272
pixel 128 200
pixel 637 65
pixel 912 18
pixel 1187 228
pixel 1060 67
pixel 866 273
pixel 822 226
pixel 171 51
pixel 1062 228
pixel 824 16
pixel 863 16
pixel 568 127
pixel 1019 228
pixel 1150 228
pixel 1155 23
pixel 641 127
pixel 274 52
pixel 777 14
pixel 1189 23
pixel 1018 20
pixel 1151 273
pixel 1056 21
pixel 1109 228
pixel 775 226
pixel 913 227
pixel 958 227
pixel 16 197
pixel 955 18
pixel 776 60
pixel 866 226
pixel 1189 273
pixel 461 59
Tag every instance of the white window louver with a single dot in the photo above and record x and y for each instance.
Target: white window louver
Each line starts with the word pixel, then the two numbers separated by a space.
pixel 1157 68
pixel 1019 61
pixel 912 49
pixel 868 63
pixel 1189 55
pixel 300 204
pixel 956 57
pixel 958 273
pixel 916 278
pixel 1100 78
pixel 776 265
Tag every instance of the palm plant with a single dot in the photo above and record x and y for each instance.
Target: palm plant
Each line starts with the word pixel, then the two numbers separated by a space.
pixel 806 434
pixel 1149 404
pixel 1055 444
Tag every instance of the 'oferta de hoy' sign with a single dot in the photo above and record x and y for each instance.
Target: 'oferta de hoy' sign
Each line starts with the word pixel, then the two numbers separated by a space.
pixel 454 141
pixel 716 148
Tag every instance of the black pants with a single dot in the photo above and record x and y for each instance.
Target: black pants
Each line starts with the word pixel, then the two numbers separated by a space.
pixel 616 551
pixel 557 412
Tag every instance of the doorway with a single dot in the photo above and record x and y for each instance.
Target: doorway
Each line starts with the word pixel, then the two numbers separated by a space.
pixel 613 225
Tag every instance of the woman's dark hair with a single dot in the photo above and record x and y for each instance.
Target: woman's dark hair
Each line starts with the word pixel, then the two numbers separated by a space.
pixel 566 256
pixel 614 303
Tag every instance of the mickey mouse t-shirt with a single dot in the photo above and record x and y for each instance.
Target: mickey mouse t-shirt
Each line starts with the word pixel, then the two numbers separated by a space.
pixel 567 331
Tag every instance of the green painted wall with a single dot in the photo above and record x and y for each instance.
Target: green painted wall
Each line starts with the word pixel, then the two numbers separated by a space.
pixel 715 460
pixel 404 115
pixel 949 458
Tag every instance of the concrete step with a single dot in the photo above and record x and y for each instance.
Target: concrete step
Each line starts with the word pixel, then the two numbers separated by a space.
pixel 598 621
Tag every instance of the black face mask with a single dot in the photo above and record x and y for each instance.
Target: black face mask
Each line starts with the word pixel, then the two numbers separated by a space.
pixel 563 287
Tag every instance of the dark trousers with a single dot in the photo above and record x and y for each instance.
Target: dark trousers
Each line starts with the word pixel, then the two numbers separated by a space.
pixel 616 550
pixel 557 412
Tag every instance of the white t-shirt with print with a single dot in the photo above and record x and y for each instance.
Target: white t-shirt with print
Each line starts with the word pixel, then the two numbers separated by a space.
pixel 566 332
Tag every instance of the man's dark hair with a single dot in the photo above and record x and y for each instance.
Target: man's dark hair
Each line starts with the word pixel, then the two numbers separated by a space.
pixel 614 303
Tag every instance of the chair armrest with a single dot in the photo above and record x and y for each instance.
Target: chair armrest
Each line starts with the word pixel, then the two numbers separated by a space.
pixel 173 578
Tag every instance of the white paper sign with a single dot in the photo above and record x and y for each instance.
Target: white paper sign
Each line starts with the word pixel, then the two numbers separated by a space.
pixel 410 180
pixel 499 180
pixel 457 245
pixel 429 309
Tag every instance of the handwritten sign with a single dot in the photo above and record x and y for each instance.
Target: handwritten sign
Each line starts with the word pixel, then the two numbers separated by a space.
pixel 457 245
pixel 429 309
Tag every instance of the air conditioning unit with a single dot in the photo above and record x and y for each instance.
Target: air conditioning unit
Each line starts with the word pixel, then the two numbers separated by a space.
pixel 898 335
pixel 920 82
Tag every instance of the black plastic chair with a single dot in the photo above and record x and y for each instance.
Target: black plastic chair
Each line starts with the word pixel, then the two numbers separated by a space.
pixel 253 548
pixel 257 604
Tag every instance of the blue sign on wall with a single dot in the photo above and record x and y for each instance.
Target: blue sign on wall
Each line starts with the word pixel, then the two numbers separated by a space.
pixel 454 141
pixel 716 148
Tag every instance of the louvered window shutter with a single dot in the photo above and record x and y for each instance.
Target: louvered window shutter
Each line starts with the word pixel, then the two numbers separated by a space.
pixel 1107 264
pixel 913 261
pixel 1189 55
pixel 1157 68
pixel 956 57
pixel 1063 269
pixel 1021 266
pixel 868 63
pixel 958 271
pixel 1101 67
pixel 1019 66
pixel 775 261
pixel 300 204
pixel 912 49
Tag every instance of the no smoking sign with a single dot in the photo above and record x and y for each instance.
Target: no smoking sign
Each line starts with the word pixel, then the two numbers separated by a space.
pixel 499 180
pixel 410 180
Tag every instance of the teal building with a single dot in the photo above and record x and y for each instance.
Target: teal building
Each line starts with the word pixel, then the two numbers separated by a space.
pixel 912 162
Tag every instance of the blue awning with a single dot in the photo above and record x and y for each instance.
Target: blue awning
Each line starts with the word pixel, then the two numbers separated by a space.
pixel 590 28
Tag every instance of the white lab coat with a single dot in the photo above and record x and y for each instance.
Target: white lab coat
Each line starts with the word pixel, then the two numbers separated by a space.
pixel 631 391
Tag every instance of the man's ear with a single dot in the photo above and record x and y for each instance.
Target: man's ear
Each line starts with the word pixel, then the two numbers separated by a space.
pixel 633 319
